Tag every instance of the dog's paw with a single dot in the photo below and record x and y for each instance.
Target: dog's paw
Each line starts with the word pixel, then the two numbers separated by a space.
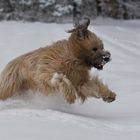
pixel 110 98
pixel 71 99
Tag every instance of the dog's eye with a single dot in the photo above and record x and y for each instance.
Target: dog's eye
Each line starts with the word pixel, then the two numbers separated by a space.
pixel 94 49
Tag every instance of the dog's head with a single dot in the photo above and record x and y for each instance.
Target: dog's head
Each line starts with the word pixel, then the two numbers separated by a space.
pixel 87 46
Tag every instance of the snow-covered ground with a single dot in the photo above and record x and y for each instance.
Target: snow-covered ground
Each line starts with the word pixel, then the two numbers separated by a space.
pixel 31 116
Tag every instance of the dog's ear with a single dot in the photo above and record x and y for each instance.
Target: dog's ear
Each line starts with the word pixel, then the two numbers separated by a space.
pixel 81 28
pixel 83 23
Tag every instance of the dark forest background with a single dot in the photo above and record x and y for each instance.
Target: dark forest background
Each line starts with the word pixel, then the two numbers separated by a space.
pixel 66 10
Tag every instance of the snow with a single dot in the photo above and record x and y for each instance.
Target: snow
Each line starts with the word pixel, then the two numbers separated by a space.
pixel 79 2
pixel 46 3
pixel 62 9
pixel 27 2
pixel 33 116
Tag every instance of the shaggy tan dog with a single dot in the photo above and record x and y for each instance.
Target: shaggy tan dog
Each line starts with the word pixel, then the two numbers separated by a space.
pixel 62 67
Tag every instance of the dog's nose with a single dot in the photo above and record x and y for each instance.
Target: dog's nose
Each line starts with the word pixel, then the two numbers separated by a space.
pixel 106 56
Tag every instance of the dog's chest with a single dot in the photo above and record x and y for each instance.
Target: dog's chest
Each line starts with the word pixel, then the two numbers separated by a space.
pixel 76 73
pixel 78 77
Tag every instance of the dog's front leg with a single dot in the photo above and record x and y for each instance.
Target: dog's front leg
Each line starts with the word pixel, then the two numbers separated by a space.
pixel 64 86
pixel 104 92
pixel 95 88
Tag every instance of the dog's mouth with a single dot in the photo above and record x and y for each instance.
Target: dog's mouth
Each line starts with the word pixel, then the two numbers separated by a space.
pixel 100 66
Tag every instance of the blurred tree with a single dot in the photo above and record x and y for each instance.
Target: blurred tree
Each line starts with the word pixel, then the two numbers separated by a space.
pixel 120 9
pixel 66 10
pixel 111 8
pixel 76 12
pixel 89 8
pixel 6 6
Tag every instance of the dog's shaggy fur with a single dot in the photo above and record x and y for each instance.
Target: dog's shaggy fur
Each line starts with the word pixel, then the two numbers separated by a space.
pixel 62 67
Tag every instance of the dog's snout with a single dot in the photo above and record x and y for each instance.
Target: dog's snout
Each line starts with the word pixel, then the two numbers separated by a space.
pixel 106 56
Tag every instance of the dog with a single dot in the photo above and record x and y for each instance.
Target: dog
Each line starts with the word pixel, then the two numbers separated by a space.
pixel 61 68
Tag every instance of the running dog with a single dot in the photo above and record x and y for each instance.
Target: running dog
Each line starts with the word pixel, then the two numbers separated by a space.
pixel 61 68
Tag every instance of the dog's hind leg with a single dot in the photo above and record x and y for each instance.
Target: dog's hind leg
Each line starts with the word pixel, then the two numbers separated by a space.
pixel 64 86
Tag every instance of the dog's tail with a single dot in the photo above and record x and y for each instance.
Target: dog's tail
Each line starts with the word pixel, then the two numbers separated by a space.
pixel 10 80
